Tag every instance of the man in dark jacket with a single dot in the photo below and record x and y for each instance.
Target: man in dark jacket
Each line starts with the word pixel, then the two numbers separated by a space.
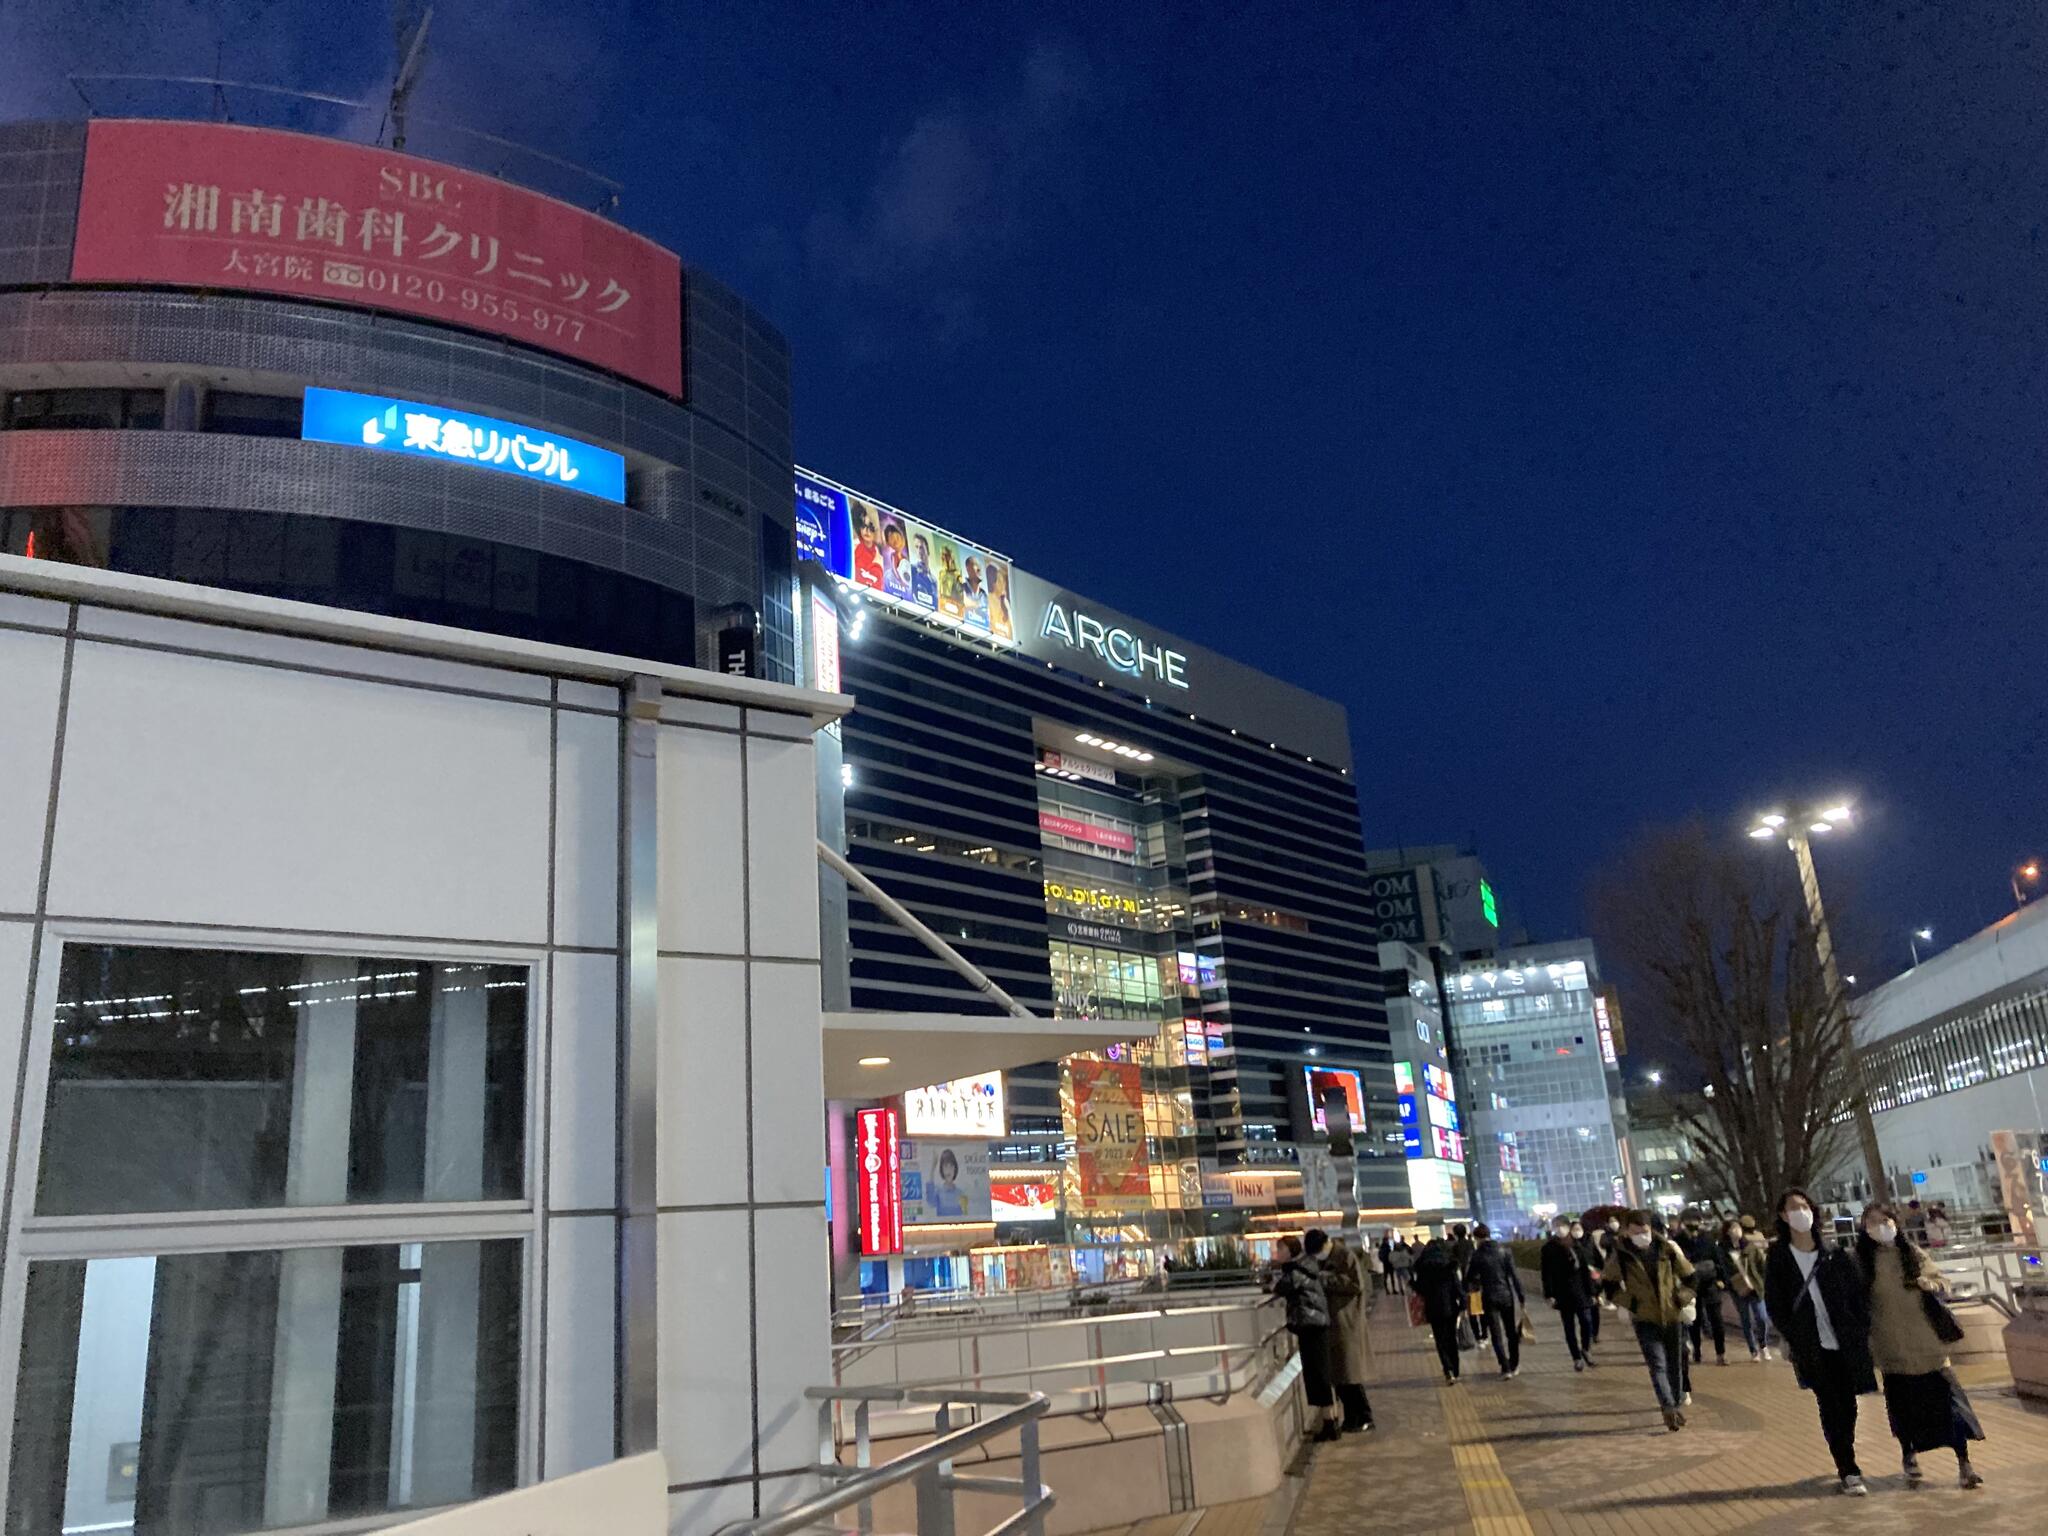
pixel 1820 1304
pixel 1441 1285
pixel 1708 1282
pixel 1491 1272
pixel 1571 1287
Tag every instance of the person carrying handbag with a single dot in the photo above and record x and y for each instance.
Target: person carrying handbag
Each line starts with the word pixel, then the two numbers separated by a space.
pixel 1821 1305
pixel 1491 1275
pixel 1910 1332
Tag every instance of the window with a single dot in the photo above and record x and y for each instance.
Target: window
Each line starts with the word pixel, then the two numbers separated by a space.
pixel 222 1392
pixel 254 415
pixel 212 1080
pixel 75 409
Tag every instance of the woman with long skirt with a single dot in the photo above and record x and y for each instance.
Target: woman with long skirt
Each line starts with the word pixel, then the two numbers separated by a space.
pixel 1926 1405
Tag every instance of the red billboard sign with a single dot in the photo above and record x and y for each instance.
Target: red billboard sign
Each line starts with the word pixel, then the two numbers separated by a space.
pixel 1111 1163
pixel 1086 832
pixel 213 205
pixel 878 1164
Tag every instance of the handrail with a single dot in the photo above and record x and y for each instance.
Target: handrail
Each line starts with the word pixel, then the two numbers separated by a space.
pixel 1252 1302
pixel 931 1465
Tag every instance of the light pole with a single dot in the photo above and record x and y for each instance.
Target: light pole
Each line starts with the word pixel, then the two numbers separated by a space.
pixel 1916 938
pixel 2026 882
pixel 1799 832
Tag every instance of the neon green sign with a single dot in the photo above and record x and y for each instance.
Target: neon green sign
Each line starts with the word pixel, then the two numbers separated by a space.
pixel 1486 904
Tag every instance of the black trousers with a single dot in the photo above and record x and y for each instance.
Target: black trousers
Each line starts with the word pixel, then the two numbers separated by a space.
pixel 1507 1337
pixel 1446 1331
pixel 1315 1364
pixel 1707 1321
pixel 1578 1323
pixel 1357 1407
pixel 1834 1389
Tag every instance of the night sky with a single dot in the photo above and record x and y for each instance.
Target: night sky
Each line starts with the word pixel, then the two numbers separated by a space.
pixel 1623 419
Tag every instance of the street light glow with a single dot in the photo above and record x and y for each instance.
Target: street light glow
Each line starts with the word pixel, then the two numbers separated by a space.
pixel 1762 832
pixel 1656 1077
pixel 1822 826
pixel 1835 813
pixel 1773 821
pixel 1923 934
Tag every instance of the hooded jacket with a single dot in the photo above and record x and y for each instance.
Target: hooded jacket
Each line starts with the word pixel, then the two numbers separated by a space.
pixel 1440 1283
pixel 1299 1283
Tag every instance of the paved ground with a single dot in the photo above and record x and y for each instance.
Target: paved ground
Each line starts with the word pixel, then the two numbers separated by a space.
pixel 1552 1452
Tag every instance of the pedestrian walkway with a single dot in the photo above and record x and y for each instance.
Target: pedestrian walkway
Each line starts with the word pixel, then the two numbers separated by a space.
pixel 1552 1452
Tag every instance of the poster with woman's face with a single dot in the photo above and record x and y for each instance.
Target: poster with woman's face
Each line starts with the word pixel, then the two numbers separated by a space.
pixel 997 574
pixel 945 1180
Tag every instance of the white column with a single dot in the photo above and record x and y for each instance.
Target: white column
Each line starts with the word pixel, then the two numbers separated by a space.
pixel 444 1437
pixel 308 1330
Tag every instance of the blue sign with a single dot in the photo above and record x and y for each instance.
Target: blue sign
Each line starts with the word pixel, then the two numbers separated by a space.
pixel 824 531
pixel 435 432
pixel 1919 1177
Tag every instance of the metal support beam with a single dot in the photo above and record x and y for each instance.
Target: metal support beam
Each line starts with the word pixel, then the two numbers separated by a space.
pixel 901 915
pixel 637 1318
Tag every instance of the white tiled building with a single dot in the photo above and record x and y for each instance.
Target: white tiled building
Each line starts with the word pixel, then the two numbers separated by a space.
pixel 316 958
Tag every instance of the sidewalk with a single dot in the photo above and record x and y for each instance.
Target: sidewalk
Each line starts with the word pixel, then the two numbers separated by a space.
pixel 1554 1452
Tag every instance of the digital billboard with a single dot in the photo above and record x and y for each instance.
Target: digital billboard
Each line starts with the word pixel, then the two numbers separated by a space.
pixel 1105 1114
pixel 1347 1082
pixel 894 558
pixel 966 1106
pixel 217 205
pixel 461 437
pixel 1032 1200
pixel 945 1180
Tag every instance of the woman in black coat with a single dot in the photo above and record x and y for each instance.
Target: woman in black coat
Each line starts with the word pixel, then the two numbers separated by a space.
pixel 1820 1303
pixel 1440 1287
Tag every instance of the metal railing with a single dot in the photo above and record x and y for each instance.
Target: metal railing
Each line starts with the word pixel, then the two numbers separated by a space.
pixel 929 1468
pixel 2003 1275
pixel 1082 1365
pixel 918 1307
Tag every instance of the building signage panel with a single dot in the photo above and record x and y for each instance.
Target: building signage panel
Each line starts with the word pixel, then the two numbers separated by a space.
pixel 1117 906
pixel 824 643
pixel 1079 767
pixel 1122 648
pixel 461 437
pixel 1074 931
pixel 878 1156
pixel 1396 908
pixel 966 1106
pixel 1604 1025
pixel 1245 1191
pixel 945 1181
pixel 216 205
pixel 1033 1200
pixel 896 559
pixel 1107 1108
pixel 1087 832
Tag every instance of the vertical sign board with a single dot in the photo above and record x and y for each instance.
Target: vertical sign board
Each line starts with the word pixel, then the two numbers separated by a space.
pixel 217 205
pixel 1112 1168
pixel 878 1159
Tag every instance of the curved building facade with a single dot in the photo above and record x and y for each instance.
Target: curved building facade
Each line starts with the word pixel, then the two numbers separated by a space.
pixel 158 427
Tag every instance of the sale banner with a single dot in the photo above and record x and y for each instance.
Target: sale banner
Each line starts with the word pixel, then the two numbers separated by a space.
pixel 1105 1104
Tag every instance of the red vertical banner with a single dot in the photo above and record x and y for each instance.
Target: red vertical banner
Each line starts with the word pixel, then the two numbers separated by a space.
pixel 878 1157
pixel 1106 1110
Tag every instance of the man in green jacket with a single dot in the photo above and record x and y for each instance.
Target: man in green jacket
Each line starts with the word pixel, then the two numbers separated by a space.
pixel 1649 1276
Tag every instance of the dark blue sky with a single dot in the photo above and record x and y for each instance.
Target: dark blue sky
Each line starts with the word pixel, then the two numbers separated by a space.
pixel 1624 419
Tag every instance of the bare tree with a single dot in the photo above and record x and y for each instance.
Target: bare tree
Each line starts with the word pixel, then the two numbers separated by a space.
pixel 1719 959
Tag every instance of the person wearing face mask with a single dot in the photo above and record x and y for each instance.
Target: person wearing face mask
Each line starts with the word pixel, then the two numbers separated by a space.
pixel 1744 1267
pixel 1821 1305
pixel 1924 1403
pixel 1569 1285
pixel 1594 1253
pixel 1650 1277
pixel 1709 1281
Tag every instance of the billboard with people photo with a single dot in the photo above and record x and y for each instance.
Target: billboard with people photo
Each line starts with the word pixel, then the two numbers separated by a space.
pixel 899 560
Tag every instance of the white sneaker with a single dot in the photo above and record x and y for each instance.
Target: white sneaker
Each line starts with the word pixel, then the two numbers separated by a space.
pixel 1853 1486
pixel 1688 1399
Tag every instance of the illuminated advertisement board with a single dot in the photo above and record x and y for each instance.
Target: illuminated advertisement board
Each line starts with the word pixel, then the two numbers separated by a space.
pixel 966 1106
pixel 461 437
pixel 896 559
pixel 945 1180
pixel 1075 830
pixel 217 205
pixel 1033 1200
pixel 1347 1082
pixel 1105 1116
pixel 1603 1023
pixel 878 1163
pixel 824 644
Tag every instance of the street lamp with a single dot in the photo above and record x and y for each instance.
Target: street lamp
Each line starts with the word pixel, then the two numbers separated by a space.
pixel 2026 882
pixel 1918 937
pixel 1799 829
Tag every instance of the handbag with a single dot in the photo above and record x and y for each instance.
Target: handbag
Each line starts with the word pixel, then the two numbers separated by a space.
pixel 1416 1315
pixel 1946 1328
pixel 1525 1328
pixel 1475 1303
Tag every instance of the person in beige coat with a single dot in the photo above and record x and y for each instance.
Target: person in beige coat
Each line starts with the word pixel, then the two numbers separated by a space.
pixel 1925 1404
pixel 1350 1350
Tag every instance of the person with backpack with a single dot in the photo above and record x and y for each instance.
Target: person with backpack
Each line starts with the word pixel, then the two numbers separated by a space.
pixel 1820 1301
pixel 1440 1287
pixel 1650 1278
pixel 1572 1288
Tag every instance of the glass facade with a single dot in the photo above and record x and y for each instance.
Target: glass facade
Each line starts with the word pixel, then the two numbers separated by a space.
pixel 210 1343
pixel 1987 1040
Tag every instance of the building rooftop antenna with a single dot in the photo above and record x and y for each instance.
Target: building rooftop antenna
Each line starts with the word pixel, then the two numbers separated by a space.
pixel 412 59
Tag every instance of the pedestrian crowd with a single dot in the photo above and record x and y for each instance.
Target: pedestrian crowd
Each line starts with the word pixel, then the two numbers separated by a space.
pixel 1855 1317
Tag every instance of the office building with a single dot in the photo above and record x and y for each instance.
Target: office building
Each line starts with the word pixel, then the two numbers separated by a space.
pixel 1533 1051
pixel 1117 824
